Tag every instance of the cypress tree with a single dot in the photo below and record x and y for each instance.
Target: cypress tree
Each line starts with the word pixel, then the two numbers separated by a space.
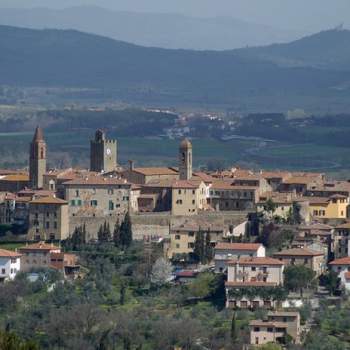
pixel 116 234
pixel 126 232
pixel 208 248
pixel 234 329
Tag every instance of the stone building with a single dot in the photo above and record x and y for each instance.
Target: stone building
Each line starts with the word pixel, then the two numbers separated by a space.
pixel 144 176
pixel 48 219
pixel 103 153
pixel 314 260
pixel 98 196
pixel 188 197
pixel 37 160
pixel 257 272
pixel 185 160
pixel 37 255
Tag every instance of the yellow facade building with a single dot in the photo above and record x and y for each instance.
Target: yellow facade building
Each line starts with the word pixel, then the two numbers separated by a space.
pixel 334 207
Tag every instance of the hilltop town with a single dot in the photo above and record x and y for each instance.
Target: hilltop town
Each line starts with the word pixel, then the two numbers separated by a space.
pixel 275 241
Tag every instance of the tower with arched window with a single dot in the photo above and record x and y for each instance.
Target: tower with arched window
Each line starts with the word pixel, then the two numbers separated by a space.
pixel 37 159
pixel 185 160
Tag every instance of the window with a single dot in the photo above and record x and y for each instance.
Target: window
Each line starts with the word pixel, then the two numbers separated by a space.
pixel 111 205
pixel 305 261
pixel 76 193
pixel 79 203
pixel 190 245
pixel 72 203
pixel 47 214
pixel 256 329
pixel 3 271
pixel 55 225
pixel 253 268
pixel 93 203
pixel 177 246
pixel 193 202
pixel 179 191
pixel 47 224
pixel 55 213
pixel 177 237
pixel 36 215
pixel 193 192
pixel 52 236
pixel 110 191
pixel 191 234
pixel 270 330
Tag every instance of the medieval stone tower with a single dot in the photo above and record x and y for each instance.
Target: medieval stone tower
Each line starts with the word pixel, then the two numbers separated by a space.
pixel 185 160
pixel 37 160
pixel 103 153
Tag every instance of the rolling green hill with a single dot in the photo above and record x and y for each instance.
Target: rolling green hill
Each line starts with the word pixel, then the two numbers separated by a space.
pixel 74 59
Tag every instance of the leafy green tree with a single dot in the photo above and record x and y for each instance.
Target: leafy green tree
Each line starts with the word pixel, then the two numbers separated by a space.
pixel 77 239
pixel 116 234
pixel 298 277
pixel 199 251
pixel 270 206
pixel 104 233
pixel 234 330
pixel 126 232
pixel 269 346
pixel 208 249
pixel 10 341
pixel 331 281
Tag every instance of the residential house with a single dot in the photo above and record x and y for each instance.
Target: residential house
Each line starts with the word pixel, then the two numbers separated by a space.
pixel 10 264
pixel 341 238
pixel 334 207
pixel 48 219
pixel 314 260
pixel 342 268
pixel 276 328
pixel 14 182
pixel 258 272
pixel 37 255
pixel 183 236
pixel 225 252
pixel 143 176
pixel 188 197
pixel 263 332
pixel 224 196
pixel 98 196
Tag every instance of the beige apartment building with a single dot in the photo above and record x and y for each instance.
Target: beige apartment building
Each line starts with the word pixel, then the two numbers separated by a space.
pixel 314 260
pixel 276 328
pixel 341 238
pixel 37 255
pixel 188 197
pixel 98 196
pixel 183 236
pixel 257 272
pixel 48 219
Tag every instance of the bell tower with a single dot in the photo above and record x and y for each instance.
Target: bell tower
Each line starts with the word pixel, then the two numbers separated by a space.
pixel 37 160
pixel 185 160
pixel 103 153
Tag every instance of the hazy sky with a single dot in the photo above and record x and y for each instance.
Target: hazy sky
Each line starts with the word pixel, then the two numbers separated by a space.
pixel 289 14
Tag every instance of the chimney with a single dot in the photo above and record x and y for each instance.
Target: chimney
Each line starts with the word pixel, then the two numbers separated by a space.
pixel 131 165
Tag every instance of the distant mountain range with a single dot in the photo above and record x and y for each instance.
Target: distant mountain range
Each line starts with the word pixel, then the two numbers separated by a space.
pixel 151 29
pixel 315 66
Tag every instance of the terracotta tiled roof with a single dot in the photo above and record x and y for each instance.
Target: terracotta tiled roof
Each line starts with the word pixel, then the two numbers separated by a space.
pixel 256 261
pixel 15 178
pixel 238 246
pixel 204 177
pixel 49 200
pixel 41 246
pixel 250 284
pixel 298 252
pixel 186 184
pixel 283 313
pixel 96 181
pixel 316 200
pixel 156 171
pixel 261 323
pixel 9 254
pixel 299 180
pixel 316 226
pixel 341 261
pixel 343 226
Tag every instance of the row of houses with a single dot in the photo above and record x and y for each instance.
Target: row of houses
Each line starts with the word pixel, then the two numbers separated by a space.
pixel 34 257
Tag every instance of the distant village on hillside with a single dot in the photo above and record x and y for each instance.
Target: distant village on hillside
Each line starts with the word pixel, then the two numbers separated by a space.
pixel 255 228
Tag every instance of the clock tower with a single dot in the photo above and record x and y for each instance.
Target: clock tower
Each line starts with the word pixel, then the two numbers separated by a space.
pixel 185 160
pixel 103 153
